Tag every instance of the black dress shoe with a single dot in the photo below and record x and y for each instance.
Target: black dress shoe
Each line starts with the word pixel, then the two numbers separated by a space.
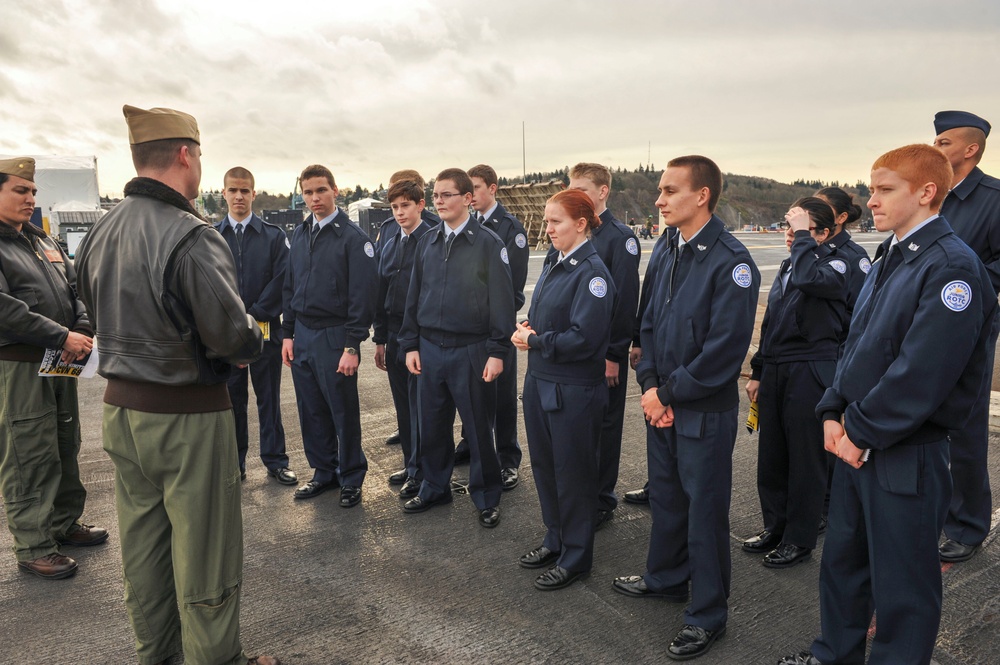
pixel 350 496
pixel 284 475
pixel 418 504
pixel 539 558
pixel 393 439
pixel 410 488
pixel 556 577
pixel 693 641
pixel 762 543
pixel 952 551
pixel 489 517
pixel 786 555
pixel 635 586
pixel 804 658
pixel 311 489
pixel 637 496
pixel 462 455
pixel 509 478
pixel 399 477
pixel 603 518
pixel 243 475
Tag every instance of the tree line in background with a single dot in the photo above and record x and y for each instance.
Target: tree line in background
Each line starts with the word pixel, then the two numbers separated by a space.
pixel 745 200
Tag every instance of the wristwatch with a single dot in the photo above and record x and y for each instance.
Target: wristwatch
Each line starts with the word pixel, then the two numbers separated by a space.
pixel 350 350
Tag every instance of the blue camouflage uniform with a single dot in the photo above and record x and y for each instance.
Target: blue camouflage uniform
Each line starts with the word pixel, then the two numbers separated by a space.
pixel 695 333
pixel 910 371
pixel 329 304
pixel 973 210
pixel 565 398
pixel 261 261
pixel 805 321
pixel 459 312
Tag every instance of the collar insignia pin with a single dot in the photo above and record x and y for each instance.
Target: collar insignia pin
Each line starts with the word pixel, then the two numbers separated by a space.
pixel 702 248
pixel 572 262
pixel 913 246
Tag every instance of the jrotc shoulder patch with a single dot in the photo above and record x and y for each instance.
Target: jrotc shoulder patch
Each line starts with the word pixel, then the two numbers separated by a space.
pixel 598 287
pixel 503 255
pixel 865 265
pixel 520 240
pixel 632 246
pixel 369 250
pixel 742 276
pixel 839 266
pixel 956 295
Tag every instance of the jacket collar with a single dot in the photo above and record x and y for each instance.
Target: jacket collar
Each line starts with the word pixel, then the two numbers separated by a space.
pixel 702 244
pixel 336 224
pixel 7 231
pixel 916 244
pixel 971 181
pixel 255 223
pixel 577 258
pixel 498 213
pixel 155 189
pixel 839 240
pixel 470 231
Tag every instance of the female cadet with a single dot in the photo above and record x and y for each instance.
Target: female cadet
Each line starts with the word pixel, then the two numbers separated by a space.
pixel 564 397
pixel 793 366
pixel 845 212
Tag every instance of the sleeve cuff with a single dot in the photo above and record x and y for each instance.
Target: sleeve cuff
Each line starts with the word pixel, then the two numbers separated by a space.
pixel 534 342
pixel 831 415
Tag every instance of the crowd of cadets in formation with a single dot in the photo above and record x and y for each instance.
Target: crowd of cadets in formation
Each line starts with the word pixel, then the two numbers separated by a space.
pixel 856 403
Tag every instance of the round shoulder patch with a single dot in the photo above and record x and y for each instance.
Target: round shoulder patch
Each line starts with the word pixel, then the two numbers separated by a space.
pixel 865 265
pixel 599 287
pixel 632 246
pixel 369 250
pixel 742 275
pixel 503 255
pixel 520 240
pixel 839 266
pixel 956 295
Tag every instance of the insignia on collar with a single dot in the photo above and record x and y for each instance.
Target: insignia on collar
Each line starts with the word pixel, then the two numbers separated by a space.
pixel 573 262
pixel 469 231
pixel 913 246
pixel 336 224
pixel 702 248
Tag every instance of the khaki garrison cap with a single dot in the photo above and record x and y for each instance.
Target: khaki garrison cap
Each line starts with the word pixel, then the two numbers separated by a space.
pixel 22 167
pixel 158 124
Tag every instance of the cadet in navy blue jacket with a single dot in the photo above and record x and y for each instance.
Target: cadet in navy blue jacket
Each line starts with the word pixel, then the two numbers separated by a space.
pixel 456 332
pixel 794 364
pixel 618 248
pixel 695 334
pixel 972 207
pixel 395 269
pixel 389 229
pixel 260 251
pixel 910 371
pixel 845 212
pixel 329 304
pixel 494 216
pixel 565 394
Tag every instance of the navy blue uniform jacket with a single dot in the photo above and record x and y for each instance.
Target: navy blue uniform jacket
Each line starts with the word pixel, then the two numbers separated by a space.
pixel 652 269
pixel 333 282
pixel 912 365
pixel 699 321
pixel 394 271
pixel 260 269
pixel 857 259
pixel 515 239
pixel 805 320
pixel 389 229
pixel 973 210
pixel 570 313
pixel 460 297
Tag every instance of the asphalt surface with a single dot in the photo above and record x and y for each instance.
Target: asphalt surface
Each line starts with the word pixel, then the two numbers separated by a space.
pixel 370 584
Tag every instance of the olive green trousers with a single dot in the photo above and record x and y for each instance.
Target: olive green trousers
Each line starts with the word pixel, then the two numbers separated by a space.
pixel 39 443
pixel 177 489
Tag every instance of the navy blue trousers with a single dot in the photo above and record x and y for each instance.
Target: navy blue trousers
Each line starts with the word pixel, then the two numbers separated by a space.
pixel 265 374
pixel 690 487
pixel 403 387
pixel 329 409
pixel 505 425
pixel 791 461
pixel 971 507
pixel 563 426
pixel 611 440
pixel 452 378
pixel 881 555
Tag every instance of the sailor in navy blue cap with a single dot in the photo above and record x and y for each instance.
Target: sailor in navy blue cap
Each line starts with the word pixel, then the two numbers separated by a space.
pixel 972 207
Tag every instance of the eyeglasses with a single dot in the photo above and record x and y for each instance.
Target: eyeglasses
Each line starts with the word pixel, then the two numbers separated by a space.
pixel 444 196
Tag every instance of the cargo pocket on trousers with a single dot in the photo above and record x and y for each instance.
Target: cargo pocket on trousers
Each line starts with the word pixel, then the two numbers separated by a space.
pixel 549 395
pixel 898 469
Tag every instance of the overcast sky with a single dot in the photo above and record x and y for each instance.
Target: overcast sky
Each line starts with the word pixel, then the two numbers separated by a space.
pixel 782 89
